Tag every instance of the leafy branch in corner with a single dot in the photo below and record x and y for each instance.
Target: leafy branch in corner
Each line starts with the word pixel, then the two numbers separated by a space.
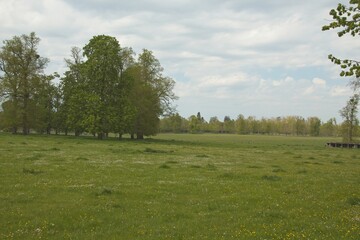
pixel 348 19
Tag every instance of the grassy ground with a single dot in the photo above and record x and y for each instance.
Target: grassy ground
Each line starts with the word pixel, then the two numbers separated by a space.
pixel 178 187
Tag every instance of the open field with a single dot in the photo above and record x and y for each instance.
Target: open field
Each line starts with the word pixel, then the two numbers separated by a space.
pixel 178 187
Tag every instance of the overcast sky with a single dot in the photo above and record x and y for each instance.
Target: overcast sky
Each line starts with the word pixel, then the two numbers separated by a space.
pixel 228 57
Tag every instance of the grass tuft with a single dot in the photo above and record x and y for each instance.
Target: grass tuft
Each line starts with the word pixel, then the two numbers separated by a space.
pixel 353 201
pixel 36 156
pixel 31 171
pixel 202 156
pixel 288 153
pixel 195 166
pixel 255 167
pixel 278 170
pixel 151 150
pixel 117 206
pixel 104 192
pixel 172 162
pixel 164 166
pixel 230 176
pixel 338 162
pixel 271 178
pixel 211 166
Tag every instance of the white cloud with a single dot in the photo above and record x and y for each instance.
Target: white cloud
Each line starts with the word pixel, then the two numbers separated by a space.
pixel 288 80
pixel 309 90
pixel 318 85
pixel 319 82
pixel 340 91
pixel 267 55
pixel 222 81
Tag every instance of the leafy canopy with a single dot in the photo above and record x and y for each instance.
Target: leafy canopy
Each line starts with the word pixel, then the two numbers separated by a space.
pixel 347 19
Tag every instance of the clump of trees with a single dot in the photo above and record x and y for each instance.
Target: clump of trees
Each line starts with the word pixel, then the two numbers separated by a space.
pixel 290 125
pixel 106 89
pixel 347 19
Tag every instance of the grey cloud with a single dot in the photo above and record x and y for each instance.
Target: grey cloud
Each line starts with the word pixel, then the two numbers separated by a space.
pixel 198 42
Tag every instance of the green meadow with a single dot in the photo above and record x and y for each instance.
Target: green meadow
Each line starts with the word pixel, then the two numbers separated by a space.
pixel 178 187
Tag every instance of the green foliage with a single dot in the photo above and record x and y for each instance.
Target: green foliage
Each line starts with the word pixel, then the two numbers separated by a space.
pixel 195 124
pixel 349 67
pixel 173 123
pixel 103 91
pixel 111 92
pixel 102 83
pixel 24 87
pixel 155 91
pixel 347 18
pixel 290 125
pixel 229 125
pixel 329 128
pixel 314 125
pixel 351 122
pixel 215 125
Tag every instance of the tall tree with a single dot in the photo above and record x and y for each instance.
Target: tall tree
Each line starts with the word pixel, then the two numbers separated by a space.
pixel 194 124
pixel 103 70
pixel 123 107
pixel 72 109
pixel 329 128
pixel 241 125
pixel 152 95
pixel 300 126
pixel 176 122
pixel 22 80
pixel 46 100
pixel 229 125
pixel 350 119
pixel 215 125
pixel 314 126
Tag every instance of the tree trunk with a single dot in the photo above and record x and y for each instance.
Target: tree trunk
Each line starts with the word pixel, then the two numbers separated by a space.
pixel 132 136
pixel 350 132
pixel 25 128
pixel 139 136
pixel 100 136
pixel 48 130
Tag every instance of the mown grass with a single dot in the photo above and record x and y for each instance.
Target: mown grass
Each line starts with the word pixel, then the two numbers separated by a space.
pixel 178 187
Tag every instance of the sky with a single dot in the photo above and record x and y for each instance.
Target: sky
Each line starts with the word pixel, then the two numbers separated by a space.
pixel 228 57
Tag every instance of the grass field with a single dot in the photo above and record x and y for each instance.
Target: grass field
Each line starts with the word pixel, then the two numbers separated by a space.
pixel 178 187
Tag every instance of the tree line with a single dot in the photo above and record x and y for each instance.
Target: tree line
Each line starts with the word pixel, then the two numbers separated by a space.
pixel 290 125
pixel 106 89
